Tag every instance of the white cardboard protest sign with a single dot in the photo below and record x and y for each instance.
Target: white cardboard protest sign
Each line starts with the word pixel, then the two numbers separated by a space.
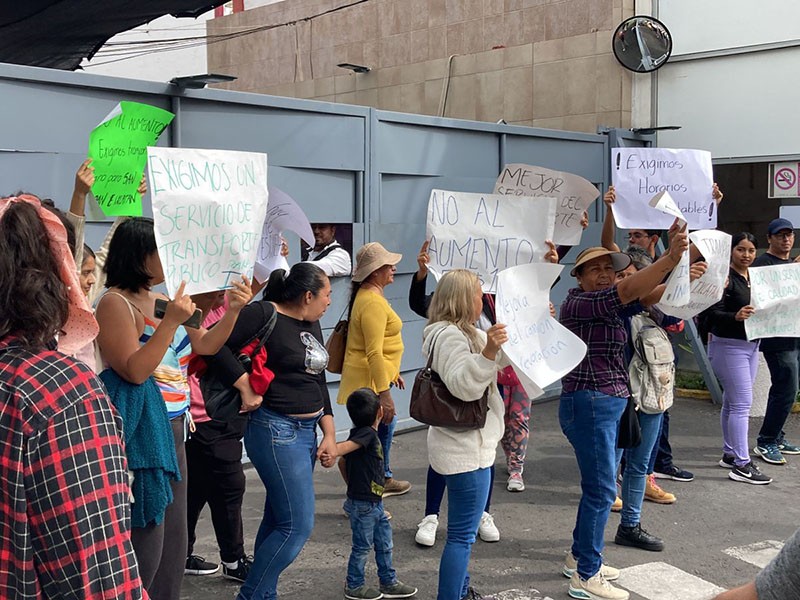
pixel 775 294
pixel 209 208
pixel 283 214
pixel 715 246
pixel 677 290
pixel 540 348
pixel 638 174
pixel 573 195
pixel 486 233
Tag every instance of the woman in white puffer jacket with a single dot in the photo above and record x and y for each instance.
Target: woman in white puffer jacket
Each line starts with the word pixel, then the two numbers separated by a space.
pixel 467 361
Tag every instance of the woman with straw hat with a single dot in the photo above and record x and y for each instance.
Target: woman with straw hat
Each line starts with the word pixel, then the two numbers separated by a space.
pixel 375 344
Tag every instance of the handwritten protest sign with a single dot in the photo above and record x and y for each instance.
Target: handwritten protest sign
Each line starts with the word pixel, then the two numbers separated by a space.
pixel 715 246
pixel 118 149
pixel 209 208
pixel 775 294
pixel 573 195
pixel 283 214
pixel 638 174
pixel 538 346
pixel 487 233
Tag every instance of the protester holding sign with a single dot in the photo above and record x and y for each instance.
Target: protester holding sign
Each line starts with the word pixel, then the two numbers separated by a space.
pixel 594 396
pixel 782 355
pixel 147 358
pixel 466 359
pixel 735 362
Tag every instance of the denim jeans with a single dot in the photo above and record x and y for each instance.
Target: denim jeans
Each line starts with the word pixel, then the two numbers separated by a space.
pixel 782 393
pixel 637 463
pixel 590 420
pixel 466 499
pixel 283 451
pixel 434 491
pixel 385 435
pixel 661 460
pixel 370 529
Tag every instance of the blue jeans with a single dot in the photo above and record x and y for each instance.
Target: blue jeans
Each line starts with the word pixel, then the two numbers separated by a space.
pixel 590 420
pixel 637 462
pixel 434 491
pixel 370 529
pixel 385 435
pixel 782 393
pixel 283 450
pixel 466 499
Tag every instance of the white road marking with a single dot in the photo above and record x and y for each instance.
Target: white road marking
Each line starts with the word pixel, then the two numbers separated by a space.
pixel 660 581
pixel 758 554
pixel 520 595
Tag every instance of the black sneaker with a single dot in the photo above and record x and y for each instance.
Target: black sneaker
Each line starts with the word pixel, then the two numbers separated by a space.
pixel 472 594
pixel 749 473
pixel 636 537
pixel 675 473
pixel 197 565
pixel 726 462
pixel 240 572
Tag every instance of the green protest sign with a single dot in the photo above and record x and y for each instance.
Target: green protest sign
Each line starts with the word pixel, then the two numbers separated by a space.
pixel 118 149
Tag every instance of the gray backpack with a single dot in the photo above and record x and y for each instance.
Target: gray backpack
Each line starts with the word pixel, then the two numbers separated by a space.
pixel 652 368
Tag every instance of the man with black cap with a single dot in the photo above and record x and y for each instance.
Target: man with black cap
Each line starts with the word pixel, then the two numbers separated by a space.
pixel 781 355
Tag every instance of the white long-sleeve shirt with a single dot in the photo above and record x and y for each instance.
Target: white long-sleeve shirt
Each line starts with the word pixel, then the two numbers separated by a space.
pixel 335 264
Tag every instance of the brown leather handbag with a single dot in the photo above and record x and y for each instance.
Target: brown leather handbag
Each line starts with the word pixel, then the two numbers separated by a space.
pixel 433 404
pixel 336 346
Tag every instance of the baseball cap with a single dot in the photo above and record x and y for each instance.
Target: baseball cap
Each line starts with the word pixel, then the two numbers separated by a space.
pixel 777 225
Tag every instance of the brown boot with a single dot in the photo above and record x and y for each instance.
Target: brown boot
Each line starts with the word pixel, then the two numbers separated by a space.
pixel 654 493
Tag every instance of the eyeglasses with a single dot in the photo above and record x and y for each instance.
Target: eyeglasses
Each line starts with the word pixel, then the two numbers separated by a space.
pixel 636 235
pixel 784 235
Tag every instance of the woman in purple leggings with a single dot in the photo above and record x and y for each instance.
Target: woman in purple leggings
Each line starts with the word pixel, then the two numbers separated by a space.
pixel 735 362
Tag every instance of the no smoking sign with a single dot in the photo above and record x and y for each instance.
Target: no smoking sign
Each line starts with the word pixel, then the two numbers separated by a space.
pixel 783 180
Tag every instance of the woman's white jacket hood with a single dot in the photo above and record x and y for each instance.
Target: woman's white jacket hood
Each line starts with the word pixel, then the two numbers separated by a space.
pixel 466 374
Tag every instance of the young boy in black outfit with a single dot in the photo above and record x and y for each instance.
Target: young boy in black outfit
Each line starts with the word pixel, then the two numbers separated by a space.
pixel 365 480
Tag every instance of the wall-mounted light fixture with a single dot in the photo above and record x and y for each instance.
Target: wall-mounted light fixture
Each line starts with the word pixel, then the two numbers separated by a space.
pixel 354 68
pixel 652 130
pixel 198 82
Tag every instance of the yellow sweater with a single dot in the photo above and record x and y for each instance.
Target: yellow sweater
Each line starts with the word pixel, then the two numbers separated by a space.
pixel 374 346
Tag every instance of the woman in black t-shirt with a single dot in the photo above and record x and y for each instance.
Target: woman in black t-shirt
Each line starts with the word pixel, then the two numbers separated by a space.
pixel 281 439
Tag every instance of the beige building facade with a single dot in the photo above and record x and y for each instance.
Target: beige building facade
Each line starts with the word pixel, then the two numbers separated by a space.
pixel 540 63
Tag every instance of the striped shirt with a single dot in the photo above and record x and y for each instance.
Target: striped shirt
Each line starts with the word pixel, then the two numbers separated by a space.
pixel 172 374
pixel 595 318
pixel 64 511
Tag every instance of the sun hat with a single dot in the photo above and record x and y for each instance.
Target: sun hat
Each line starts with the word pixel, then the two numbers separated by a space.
pixel 371 257
pixel 777 225
pixel 619 260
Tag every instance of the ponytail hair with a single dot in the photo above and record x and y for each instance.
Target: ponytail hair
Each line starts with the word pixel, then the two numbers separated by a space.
pixel 34 304
pixel 289 288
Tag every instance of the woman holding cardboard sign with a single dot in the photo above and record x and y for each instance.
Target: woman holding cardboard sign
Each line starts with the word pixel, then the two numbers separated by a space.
pixel 146 376
pixel 594 396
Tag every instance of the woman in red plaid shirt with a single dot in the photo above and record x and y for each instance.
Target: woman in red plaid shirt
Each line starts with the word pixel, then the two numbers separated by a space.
pixel 64 511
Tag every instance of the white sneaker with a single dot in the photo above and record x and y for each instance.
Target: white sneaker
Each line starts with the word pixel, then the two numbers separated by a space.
pixel 571 565
pixel 487 530
pixel 426 531
pixel 594 588
pixel 515 483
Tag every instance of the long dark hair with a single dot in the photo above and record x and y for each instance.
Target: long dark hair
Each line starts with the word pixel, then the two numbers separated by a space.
pixel 289 288
pixel 33 299
pixel 133 241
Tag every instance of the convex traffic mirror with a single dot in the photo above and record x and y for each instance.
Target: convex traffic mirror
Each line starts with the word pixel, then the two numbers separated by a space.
pixel 642 44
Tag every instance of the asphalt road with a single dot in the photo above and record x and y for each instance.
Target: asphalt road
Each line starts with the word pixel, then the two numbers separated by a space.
pixel 712 514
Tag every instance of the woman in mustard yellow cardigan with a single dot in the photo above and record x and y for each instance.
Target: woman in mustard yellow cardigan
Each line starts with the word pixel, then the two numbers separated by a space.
pixel 375 344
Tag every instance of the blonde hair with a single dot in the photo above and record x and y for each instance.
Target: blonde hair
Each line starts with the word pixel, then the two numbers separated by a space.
pixel 453 302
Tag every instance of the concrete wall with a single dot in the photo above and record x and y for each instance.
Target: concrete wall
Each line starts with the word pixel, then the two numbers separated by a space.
pixel 531 62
